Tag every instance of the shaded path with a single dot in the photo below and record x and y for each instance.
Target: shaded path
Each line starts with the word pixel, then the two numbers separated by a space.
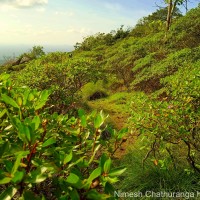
pixel 118 118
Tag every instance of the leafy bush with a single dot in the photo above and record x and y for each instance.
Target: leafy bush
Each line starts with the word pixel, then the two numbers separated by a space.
pixel 48 156
pixel 171 125
pixel 151 70
pixel 186 30
pixel 64 78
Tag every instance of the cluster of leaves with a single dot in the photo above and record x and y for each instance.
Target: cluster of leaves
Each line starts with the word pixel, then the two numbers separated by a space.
pixel 183 37
pixel 149 69
pixel 98 39
pixel 53 156
pixel 63 75
pixel 171 126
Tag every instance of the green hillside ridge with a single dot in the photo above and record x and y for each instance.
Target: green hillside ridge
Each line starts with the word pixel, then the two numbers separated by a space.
pixel 146 80
pixel 141 59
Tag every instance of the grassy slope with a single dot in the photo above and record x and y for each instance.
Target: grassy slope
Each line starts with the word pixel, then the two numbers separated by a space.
pixel 143 60
pixel 146 61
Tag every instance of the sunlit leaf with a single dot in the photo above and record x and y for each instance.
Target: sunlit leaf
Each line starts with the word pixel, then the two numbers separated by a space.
pixel 9 100
pixel 96 173
pixel 68 158
pixel 117 172
pixel 5 180
pixel 107 166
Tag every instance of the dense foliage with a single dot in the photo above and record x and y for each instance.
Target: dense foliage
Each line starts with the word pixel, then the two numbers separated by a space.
pixel 143 75
pixel 53 155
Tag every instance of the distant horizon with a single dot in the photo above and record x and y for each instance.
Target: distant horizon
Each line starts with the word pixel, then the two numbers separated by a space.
pixel 14 50
pixel 68 22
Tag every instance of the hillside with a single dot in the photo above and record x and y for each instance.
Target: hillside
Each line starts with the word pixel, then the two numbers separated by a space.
pixel 146 80
pixel 138 59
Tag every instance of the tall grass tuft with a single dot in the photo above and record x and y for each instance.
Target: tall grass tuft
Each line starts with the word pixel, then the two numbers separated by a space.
pixel 153 178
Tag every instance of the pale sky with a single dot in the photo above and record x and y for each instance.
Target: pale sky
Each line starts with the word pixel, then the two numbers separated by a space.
pixel 56 22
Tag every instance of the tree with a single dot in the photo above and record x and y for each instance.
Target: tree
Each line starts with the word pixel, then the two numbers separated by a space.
pixel 160 14
pixel 37 51
pixel 171 6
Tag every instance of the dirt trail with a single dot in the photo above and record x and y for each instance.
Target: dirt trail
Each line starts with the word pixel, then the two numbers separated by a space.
pixel 119 120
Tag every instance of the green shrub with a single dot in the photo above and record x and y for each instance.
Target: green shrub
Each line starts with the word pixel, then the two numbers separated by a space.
pixel 64 79
pixel 171 125
pixel 48 156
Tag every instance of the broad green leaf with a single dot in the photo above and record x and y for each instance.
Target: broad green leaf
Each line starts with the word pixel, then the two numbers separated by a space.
pixel 96 173
pixel 103 159
pixel 16 165
pixel 5 181
pixel 18 160
pixel 27 133
pixel 15 121
pixel 81 113
pixel 9 100
pixel 8 83
pixel 48 142
pixel 25 96
pixel 18 176
pixel 36 121
pixel 19 101
pixel 107 166
pixel 68 158
pixel 43 99
pixel 31 97
pixel 112 180
pixel 98 121
pixel 39 105
pixel 72 179
pixel 117 172
pixel 82 116
pixel 20 127
pixel 83 121
pixel 8 193
pixel 24 131
pixel 44 95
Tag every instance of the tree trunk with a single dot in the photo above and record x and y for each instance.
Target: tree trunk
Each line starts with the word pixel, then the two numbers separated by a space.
pixel 169 14
pixel 170 11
